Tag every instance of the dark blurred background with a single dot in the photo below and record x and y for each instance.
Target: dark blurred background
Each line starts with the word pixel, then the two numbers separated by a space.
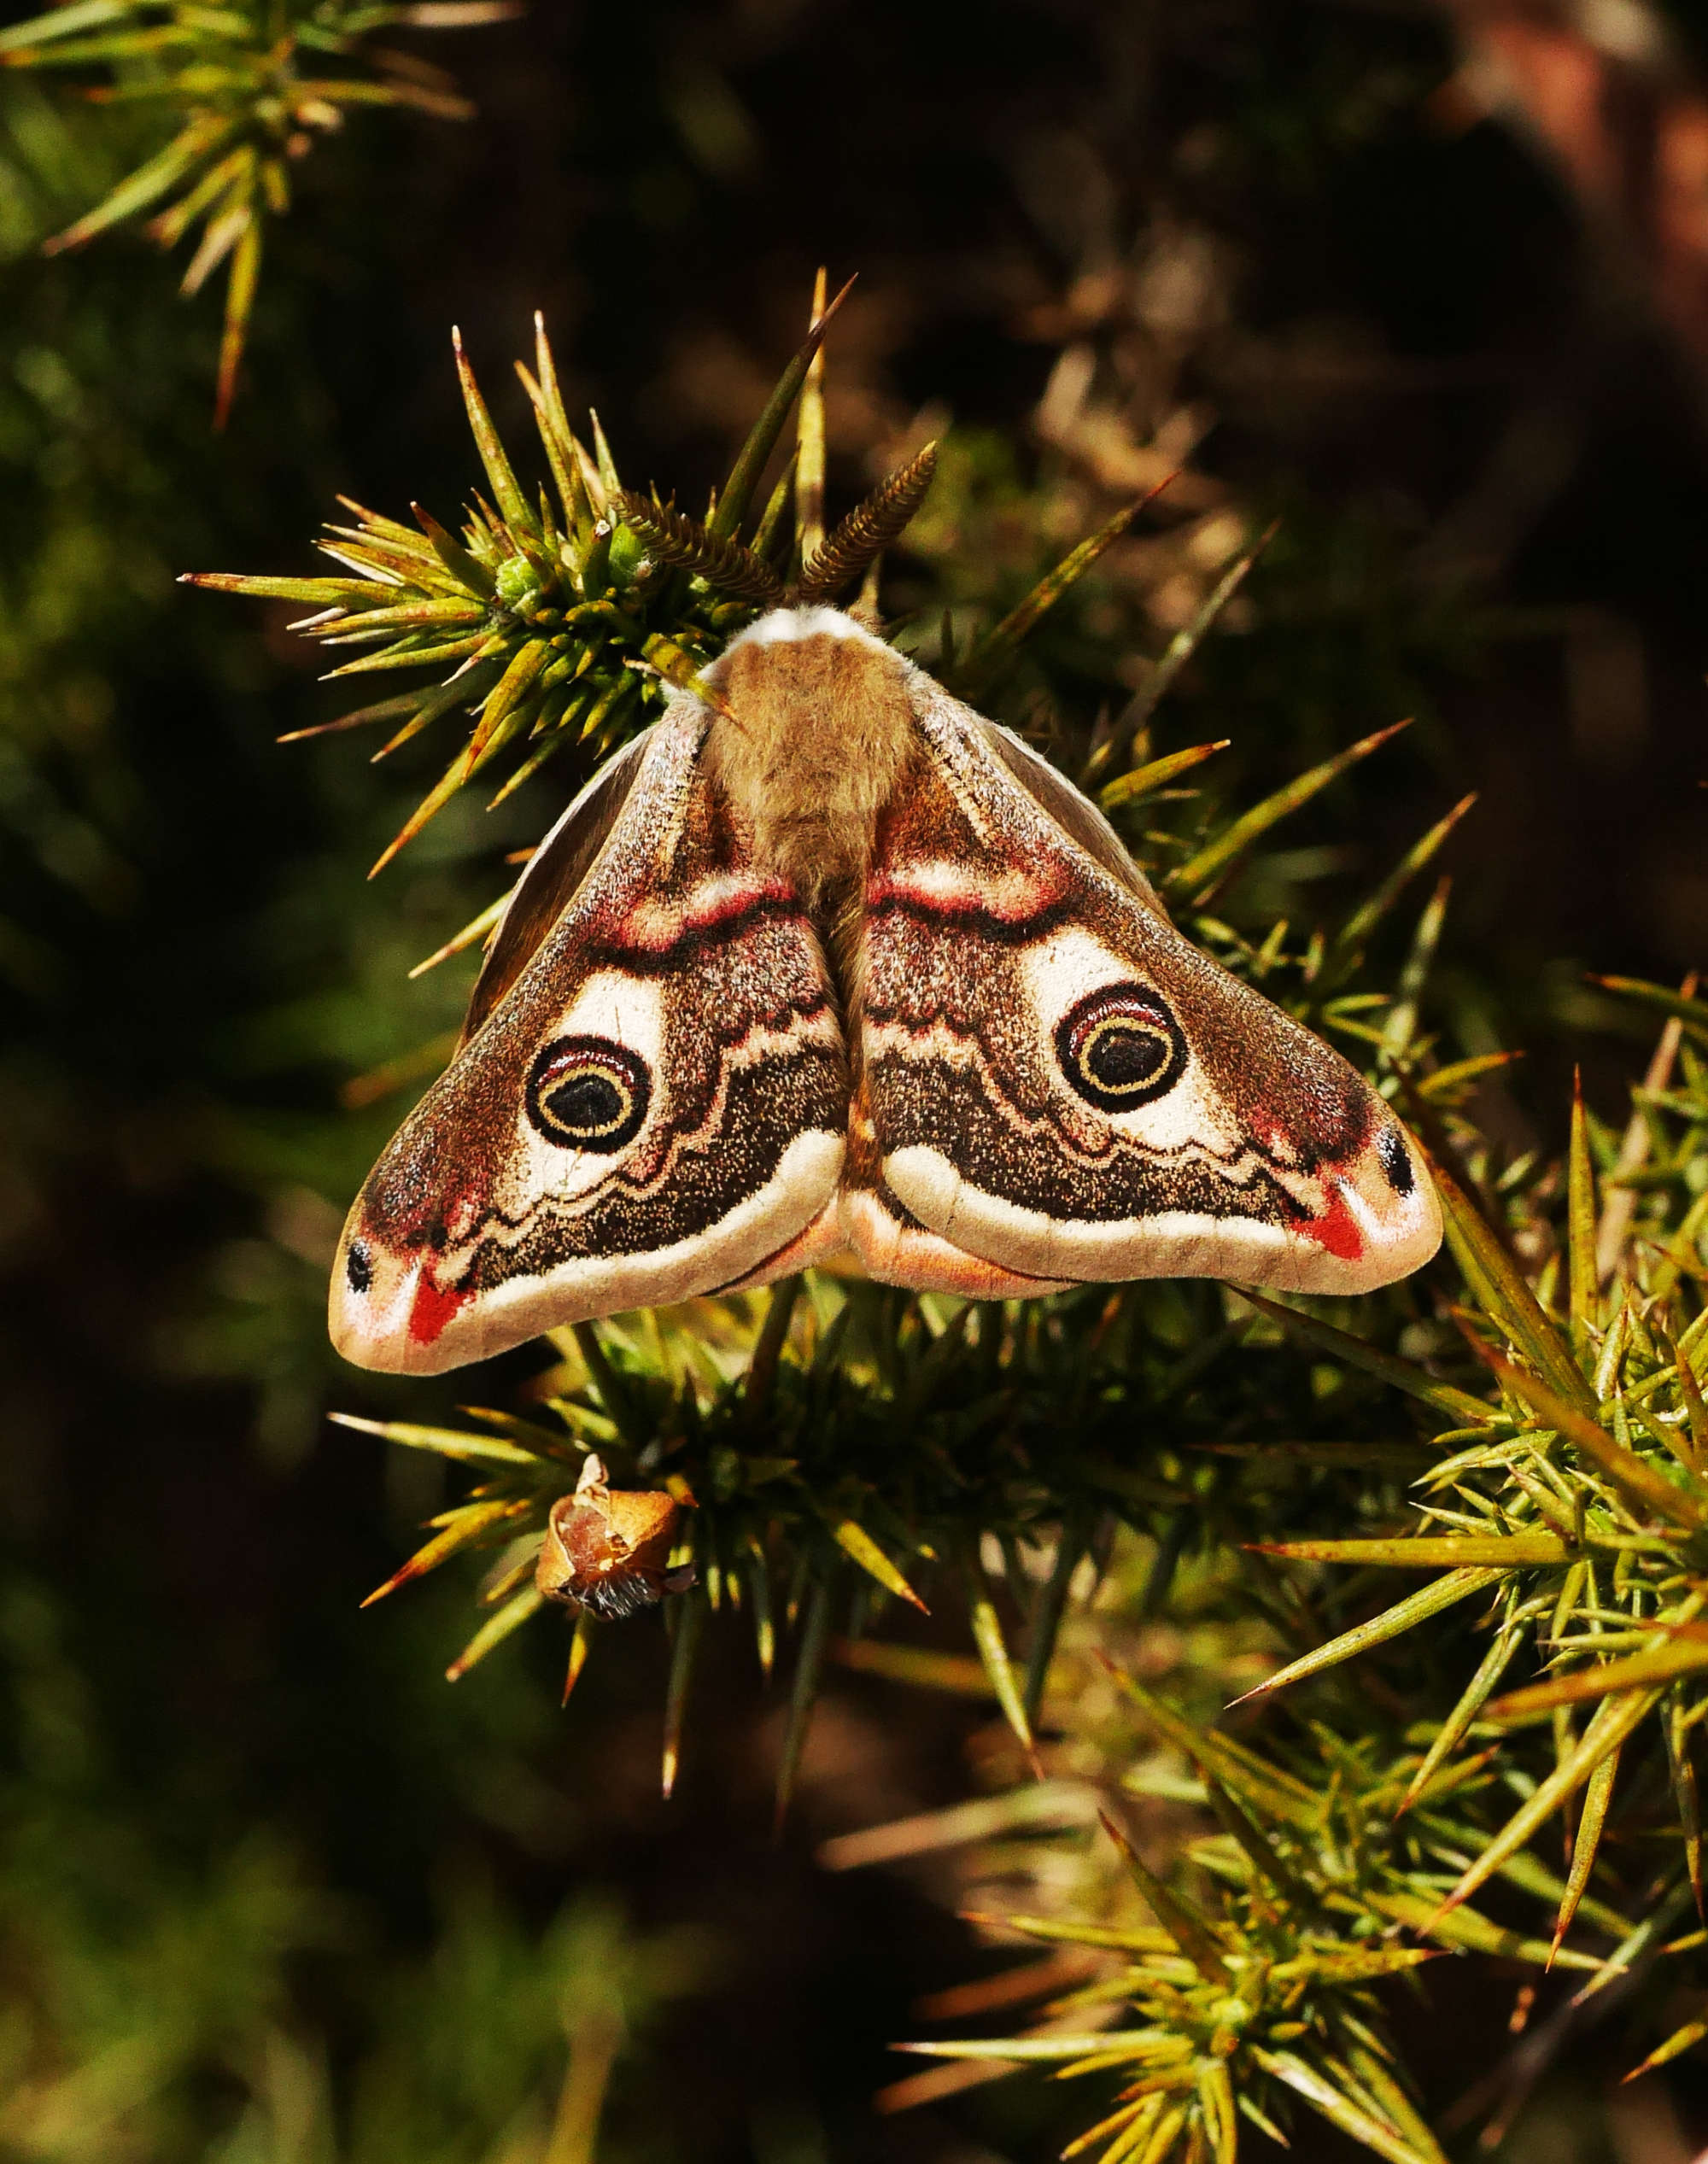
pixel 1429 283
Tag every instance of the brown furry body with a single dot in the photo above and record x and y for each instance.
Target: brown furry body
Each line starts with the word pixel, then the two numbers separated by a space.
pixel 819 732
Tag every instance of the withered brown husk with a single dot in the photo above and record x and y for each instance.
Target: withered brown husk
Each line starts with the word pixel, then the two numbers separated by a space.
pixel 606 1549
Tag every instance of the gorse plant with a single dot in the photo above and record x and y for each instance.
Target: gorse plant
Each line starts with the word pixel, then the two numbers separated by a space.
pixel 863 1428
pixel 1330 1675
pixel 1566 1500
pixel 841 1452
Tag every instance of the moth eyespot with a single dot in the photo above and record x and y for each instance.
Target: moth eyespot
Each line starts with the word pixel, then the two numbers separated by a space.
pixel 1121 1048
pixel 1395 1159
pixel 589 1093
pixel 358 1267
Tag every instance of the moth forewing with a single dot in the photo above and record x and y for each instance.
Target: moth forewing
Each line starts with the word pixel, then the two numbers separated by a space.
pixel 1064 1085
pixel 655 1107
pixel 554 873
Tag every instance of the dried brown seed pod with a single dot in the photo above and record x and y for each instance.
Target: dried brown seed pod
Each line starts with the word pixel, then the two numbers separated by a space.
pixel 607 1549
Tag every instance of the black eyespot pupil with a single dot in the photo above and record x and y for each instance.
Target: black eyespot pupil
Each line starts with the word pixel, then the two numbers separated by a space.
pixel 1123 1056
pixel 1395 1159
pixel 358 1267
pixel 589 1103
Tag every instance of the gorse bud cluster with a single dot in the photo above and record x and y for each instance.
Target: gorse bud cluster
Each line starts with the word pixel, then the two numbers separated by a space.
pixel 561 628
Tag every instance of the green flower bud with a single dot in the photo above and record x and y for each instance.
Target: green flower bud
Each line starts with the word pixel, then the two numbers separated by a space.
pixel 519 584
pixel 628 554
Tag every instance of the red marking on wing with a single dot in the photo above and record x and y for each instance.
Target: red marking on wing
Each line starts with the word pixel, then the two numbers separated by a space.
pixel 950 893
pixel 432 1309
pixel 654 928
pixel 1337 1230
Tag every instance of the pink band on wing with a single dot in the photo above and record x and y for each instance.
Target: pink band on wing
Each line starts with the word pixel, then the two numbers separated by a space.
pixel 946 889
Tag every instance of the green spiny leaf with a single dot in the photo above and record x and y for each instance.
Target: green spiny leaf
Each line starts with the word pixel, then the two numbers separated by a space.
pixel 852 1538
pixel 1691 1012
pixel 987 1632
pixel 1401 1026
pixel 1242 1771
pixel 1403 1615
pixel 804 1691
pixel 690 1619
pixel 1362 2126
pixel 1681 2040
pixel 744 476
pixel 1425 1551
pixel 449 1442
pixel 1500 1287
pixel 62 22
pixel 1614 1720
pixel 979 667
pixel 498 471
pixel 474 1522
pixel 497 1627
pixel 1353 935
pixel 1175 656
pixel 1582 1221
pixel 1470 1702
pixel 1144 780
pixel 1598 1794
pixel 1386 1367
pixel 1189 1931
pixel 149 182
pixel 1045 1620
pixel 1664 1664
pixel 1216 858
pixel 1681 1768
pixel 581 1644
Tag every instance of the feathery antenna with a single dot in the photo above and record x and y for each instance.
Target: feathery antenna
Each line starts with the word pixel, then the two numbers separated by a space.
pixel 672 537
pixel 870 527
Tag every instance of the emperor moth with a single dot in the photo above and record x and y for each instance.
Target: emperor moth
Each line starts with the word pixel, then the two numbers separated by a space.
pixel 827 967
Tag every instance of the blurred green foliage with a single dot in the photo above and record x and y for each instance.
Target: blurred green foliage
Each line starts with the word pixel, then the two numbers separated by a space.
pixel 157 2012
pixel 244 89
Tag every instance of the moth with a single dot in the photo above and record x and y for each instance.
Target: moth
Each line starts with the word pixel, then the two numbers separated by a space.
pixel 826 967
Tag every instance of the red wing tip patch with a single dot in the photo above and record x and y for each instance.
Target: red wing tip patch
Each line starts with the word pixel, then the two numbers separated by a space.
pixel 432 1308
pixel 1336 1231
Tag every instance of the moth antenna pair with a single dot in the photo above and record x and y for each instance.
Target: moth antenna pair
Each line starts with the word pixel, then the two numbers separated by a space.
pixel 674 538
